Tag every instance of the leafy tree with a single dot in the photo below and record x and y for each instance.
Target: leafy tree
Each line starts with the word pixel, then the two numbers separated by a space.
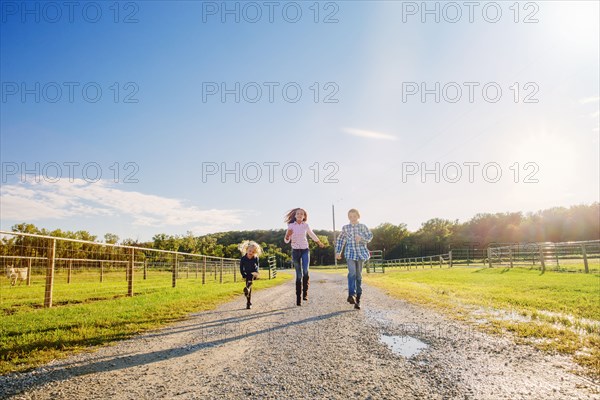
pixel 111 238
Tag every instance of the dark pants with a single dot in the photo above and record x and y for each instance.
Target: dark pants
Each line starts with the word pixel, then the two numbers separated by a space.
pixel 249 279
pixel 301 260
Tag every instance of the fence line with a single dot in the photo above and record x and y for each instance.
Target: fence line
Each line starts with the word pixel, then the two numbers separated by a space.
pixel 48 271
pixel 376 261
pixel 561 256
pixel 438 260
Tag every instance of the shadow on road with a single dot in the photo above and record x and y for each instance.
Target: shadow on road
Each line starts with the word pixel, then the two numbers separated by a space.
pixel 209 336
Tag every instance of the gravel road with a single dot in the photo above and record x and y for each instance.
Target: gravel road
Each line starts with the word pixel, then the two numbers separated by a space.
pixel 324 349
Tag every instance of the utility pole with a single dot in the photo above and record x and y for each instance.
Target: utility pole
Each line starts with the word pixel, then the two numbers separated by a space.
pixel 333 216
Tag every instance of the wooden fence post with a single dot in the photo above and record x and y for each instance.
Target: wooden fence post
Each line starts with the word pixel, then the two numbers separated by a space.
pixel 145 269
pixel 29 269
pixel 70 270
pixel 174 277
pixel 50 274
pixel 101 271
pixel 234 274
pixel 450 258
pixel 489 256
pixel 585 260
pixel 468 260
pixel 510 256
pixel 221 272
pixel 430 261
pixel 542 260
pixel 204 271
pixel 130 273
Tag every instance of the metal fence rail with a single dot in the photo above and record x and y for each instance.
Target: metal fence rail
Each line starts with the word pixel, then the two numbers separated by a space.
pixel 438 260
pixel 578 256
pixel 47 271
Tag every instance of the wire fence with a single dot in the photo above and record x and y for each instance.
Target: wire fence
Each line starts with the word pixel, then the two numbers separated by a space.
pixel 44 271
pixel 564 256
pixel 377 262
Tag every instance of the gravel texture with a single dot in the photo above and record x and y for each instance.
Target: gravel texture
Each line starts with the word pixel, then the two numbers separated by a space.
pixel 324 349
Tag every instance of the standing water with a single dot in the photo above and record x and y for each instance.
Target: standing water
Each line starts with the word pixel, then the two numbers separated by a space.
pixel 406 346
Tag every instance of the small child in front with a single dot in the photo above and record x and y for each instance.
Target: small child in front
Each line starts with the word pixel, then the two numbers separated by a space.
pixel 251 252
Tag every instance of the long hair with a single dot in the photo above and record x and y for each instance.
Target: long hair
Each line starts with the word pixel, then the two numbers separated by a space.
pixel 290 216
pixel 246 244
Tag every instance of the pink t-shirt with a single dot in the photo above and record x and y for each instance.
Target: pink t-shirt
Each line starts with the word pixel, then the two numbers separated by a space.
pixel 299 231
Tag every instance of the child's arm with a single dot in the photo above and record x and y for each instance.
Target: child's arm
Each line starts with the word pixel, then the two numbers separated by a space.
pixel 339 244
pixel 242 268
pixel 288 235
pixel 313 236
pixel 365 234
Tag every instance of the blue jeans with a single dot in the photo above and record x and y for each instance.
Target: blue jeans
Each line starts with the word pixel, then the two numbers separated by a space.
pixel 355 277
pixel 300 258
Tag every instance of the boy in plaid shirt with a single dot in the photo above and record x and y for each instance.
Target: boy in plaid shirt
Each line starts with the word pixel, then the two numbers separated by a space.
pixel 355 236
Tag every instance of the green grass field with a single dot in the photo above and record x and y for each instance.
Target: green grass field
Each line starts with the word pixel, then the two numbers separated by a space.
pixel 553 311
pixel 31 336
pixel 85 286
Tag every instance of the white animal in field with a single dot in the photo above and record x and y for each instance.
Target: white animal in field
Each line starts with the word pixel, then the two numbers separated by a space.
pixel 16 274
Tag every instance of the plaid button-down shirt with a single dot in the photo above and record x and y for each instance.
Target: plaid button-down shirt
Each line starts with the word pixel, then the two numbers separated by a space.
pixel 354 250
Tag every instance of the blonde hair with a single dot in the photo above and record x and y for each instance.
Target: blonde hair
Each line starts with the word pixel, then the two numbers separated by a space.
pixel 246 244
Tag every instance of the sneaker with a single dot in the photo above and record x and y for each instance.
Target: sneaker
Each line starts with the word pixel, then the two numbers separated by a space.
pixel 305 297
pixel 248 306
pixel 357 305
pixel 351 299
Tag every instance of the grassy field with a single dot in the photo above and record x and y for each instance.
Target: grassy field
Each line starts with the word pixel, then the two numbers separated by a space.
pixel 85 286
pixel 553 311
pixel 31 336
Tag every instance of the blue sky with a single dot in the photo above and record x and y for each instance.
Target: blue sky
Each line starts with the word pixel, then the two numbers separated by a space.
pixel 368 135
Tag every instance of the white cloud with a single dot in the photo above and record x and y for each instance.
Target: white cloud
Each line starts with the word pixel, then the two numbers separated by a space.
pixel 31 201
pixel 369 134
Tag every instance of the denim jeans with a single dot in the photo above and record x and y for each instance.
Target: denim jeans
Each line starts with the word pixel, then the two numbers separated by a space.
pixel 355 277
pixel 300 258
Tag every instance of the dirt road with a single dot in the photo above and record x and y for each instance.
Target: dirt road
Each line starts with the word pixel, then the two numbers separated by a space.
pixel 324 349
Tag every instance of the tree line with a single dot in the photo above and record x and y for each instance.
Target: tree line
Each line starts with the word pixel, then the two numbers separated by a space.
pixel 435 236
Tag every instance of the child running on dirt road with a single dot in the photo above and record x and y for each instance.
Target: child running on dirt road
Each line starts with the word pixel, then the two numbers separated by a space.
pixel 296 233
pixel 355 236
pixel 251 251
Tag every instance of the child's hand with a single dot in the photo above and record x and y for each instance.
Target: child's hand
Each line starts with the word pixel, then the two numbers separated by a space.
pixel 338 256
pixel 321 245
pixel 357 238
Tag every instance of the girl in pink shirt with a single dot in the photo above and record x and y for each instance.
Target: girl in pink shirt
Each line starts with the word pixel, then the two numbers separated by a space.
pixel 296 233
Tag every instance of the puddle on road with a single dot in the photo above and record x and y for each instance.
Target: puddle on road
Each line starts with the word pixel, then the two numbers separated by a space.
pixel 406 346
